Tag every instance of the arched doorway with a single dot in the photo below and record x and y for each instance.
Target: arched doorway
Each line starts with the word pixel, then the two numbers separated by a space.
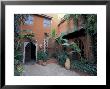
pixel 30 52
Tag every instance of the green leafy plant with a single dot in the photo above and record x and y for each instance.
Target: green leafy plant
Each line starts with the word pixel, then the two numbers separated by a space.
pixel 84 66
pixel 90 24
pixel 61 40
pixel 75 47
pixel 18 67
pixel 42 56
pixel 18 20
pixel 74 17
pixel 62 58
pixel 53 33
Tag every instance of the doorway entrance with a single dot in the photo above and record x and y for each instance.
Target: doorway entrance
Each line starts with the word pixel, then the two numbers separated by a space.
pixel 30 53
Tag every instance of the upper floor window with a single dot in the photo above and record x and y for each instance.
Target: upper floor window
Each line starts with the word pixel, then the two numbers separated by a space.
pixel 29 20
pixel 46 22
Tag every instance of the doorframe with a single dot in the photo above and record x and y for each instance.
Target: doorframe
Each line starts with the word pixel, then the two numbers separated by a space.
pixel 24 53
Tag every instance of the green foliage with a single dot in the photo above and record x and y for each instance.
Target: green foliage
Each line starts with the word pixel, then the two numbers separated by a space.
pixel 62 58
pixel 61 40
pixel 90 24
pixel 53 33
pixel 75 17
pixel 90 21
pixel 91 29
pixel 29 36
pixel 18 56
pixel 18 20
pixel 75 47
pixel 84 66
pixel 18 67
pixel 25 34
pixel 42 55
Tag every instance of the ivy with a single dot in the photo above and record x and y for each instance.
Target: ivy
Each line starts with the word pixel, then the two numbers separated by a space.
pixel 18 20
pixel 90 24
pixel 84 67
pixel 74 17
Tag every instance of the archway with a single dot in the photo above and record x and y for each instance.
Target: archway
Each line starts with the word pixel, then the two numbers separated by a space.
pixel 30 52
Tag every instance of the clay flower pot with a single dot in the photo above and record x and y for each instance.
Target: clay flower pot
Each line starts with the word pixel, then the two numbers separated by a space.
pixel 67 64
pixel 40 62
pixel 44 63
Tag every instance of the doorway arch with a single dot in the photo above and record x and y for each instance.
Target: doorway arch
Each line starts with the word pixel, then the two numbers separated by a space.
pixel 30 52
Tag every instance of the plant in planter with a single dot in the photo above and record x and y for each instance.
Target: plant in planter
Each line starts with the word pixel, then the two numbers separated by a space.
pixel 76 50
pixel 62 58
pixel 39 57
pixel 42 57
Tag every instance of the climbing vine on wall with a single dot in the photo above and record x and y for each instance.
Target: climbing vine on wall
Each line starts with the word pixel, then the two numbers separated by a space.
pixel 90 24
pixel 18 20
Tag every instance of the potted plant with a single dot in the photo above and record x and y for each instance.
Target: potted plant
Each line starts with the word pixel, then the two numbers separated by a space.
pixel 42 57
pixel 39 57
pixel 44 54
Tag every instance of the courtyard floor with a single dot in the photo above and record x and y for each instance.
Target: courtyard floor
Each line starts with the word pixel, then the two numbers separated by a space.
pixel 52 69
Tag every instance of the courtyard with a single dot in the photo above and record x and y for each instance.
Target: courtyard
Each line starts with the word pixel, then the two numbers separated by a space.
pixel 51 69
pixel 55 45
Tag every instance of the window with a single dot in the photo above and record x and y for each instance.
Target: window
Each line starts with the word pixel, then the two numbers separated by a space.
pixel 46 22
pixel 29 20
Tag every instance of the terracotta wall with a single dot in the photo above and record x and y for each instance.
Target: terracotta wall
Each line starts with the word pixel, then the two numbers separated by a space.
pixel 37 28
pixel 54 25
pixel 65 26
pixel 62 27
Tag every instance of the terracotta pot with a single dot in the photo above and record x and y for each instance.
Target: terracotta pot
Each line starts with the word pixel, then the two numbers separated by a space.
pixel 67 64
pixel 44 63
pixel 40 62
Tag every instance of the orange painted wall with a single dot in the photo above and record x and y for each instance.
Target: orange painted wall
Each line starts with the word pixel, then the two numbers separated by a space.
pixel 54 25
pixel 62 27
pixel 37 28
pixel 66 26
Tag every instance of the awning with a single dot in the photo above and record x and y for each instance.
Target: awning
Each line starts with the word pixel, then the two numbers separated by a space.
pixel 75 34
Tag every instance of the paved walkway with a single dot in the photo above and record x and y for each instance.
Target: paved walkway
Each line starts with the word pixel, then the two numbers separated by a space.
pixel 52 69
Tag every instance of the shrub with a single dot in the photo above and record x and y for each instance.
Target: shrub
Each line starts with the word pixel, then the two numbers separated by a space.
pixel 75 47
pixel 84 67
pixel 18 68
pixel 18 56
pixel 42 55
pixel 62 58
